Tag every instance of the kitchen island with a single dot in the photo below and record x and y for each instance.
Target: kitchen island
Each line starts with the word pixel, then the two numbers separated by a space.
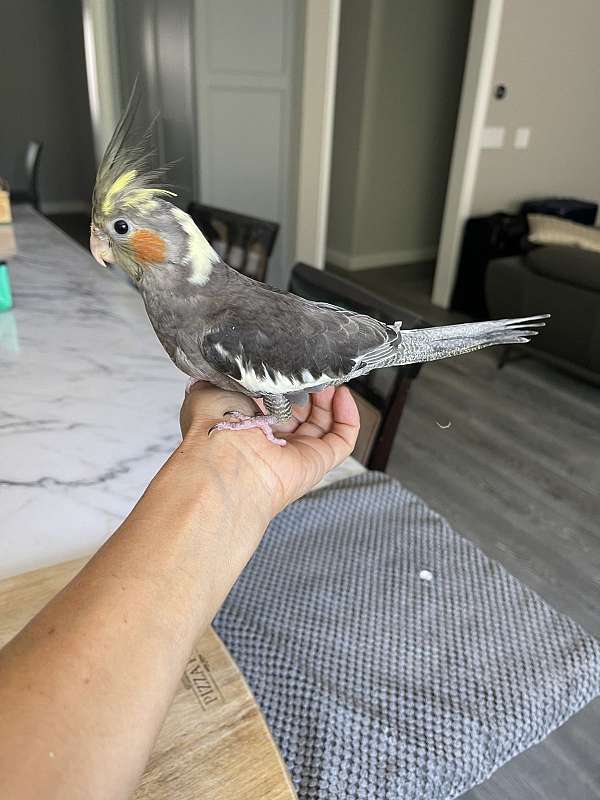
pixel 89 401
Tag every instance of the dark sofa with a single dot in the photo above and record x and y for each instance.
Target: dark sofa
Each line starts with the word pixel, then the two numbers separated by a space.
pixel 564 282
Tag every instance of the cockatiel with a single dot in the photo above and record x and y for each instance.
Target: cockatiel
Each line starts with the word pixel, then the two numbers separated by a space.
pixel 220 326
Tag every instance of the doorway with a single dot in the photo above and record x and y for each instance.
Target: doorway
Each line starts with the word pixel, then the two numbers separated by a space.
pixel 398 90
pixel 226 76
pixel 154 45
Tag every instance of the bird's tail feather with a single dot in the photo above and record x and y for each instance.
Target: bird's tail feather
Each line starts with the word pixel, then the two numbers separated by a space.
pixel 431 344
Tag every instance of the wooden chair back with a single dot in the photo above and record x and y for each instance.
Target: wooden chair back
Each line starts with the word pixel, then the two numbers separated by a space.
pixel 243 242
pixel 381 394
pixel 30 193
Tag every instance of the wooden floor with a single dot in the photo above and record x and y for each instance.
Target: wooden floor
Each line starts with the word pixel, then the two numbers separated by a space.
pixel 517 472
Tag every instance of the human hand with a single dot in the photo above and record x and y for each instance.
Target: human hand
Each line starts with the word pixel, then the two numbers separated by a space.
pixel 322 435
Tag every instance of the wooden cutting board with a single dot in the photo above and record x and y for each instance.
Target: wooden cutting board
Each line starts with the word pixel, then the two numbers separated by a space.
pixel 214 744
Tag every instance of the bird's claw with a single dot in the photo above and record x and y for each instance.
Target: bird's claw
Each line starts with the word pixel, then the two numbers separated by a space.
pixel 243 422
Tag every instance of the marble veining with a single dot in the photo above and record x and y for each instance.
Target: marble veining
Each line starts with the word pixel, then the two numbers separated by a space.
pixel 89 401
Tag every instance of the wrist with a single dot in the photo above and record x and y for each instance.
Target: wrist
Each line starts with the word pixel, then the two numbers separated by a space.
pixel 226 469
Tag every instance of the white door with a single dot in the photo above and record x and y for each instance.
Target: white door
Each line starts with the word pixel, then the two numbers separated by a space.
pixel 248 72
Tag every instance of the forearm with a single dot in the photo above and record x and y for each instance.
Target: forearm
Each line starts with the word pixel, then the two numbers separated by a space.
pixel 84 688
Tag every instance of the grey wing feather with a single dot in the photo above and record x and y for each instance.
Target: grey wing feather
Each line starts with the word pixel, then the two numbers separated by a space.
pixel 240 333
pixel 291 344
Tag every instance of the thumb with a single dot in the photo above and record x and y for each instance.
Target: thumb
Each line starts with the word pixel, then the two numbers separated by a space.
pixel 206 403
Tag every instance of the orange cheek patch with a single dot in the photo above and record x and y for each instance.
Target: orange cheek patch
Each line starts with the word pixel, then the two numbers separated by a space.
pixel 149 247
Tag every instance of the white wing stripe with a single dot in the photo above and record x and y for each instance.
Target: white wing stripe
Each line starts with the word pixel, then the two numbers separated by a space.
pixel 282 384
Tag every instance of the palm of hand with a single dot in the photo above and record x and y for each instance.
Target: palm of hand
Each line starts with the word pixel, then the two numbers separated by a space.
pixel 322 435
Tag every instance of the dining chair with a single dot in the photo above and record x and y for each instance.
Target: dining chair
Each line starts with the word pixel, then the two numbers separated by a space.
pixel 244 242
pixel 30 193
pixel 382 394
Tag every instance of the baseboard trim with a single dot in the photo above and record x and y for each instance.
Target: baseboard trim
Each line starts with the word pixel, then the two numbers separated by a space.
pixel 337 258
pixel 384 259
pixel 66 207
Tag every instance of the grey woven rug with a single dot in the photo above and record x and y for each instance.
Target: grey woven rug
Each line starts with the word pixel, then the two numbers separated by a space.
pixel 390 657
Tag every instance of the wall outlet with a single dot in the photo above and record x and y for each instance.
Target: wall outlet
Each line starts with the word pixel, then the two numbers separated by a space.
pixel 492 138
pixel 522 136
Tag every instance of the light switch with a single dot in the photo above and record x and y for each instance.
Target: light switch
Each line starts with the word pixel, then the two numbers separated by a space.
pixel 492 138
pixel 522 136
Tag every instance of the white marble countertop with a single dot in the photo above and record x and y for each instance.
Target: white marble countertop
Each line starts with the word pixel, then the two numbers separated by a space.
pixel 88 400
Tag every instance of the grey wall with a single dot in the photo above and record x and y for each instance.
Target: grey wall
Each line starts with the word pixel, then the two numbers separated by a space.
pixel 154 44
pixel 419 56
pixel 548 57
pixel 399 82
pixel 355 22
pixel 43 95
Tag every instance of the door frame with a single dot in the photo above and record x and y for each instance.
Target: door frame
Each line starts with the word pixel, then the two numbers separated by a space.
pixel 321 38
pixel 474 101
pixel 322 22
pixel 102 69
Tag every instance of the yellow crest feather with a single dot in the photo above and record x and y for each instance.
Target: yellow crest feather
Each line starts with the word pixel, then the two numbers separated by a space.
pixel 117 186
pixel 124 179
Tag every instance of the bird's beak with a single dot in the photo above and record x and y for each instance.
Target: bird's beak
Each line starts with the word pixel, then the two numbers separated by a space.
pixel 100 249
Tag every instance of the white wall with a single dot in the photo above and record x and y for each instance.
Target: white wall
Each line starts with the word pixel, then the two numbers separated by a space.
pixel 399 80
pixel 548 56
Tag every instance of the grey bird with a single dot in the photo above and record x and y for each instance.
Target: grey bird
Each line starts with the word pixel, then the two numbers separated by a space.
pixel 241 335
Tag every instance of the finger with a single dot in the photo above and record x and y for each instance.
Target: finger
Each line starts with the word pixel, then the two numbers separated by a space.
pixel 324 398
pixel 320 418
pixel 312 428
pixel 199 386
pixel 337 443
pixel 206 403
pixel 188 411
pixel 345 410
pixel 299 414
pixel 346 422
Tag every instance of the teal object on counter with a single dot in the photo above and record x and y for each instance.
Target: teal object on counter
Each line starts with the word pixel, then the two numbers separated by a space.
pixel 5 292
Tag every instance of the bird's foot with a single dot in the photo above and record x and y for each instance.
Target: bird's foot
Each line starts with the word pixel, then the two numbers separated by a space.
pixel 244 423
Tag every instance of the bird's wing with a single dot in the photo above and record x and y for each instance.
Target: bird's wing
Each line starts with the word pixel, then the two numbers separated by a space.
pixel 373 355
pixel 276 343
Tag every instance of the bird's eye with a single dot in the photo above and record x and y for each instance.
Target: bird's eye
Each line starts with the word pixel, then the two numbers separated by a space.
pixel 121 227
